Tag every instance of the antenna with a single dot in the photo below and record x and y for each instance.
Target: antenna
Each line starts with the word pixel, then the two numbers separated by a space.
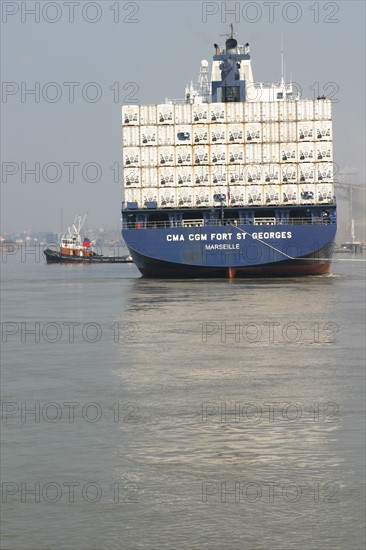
pixel 282 61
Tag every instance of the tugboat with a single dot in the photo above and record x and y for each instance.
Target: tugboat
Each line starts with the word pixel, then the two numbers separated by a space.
pixel 74 249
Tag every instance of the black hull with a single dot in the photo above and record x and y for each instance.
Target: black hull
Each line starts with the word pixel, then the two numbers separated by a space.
pixel 302 266
pixel 53 257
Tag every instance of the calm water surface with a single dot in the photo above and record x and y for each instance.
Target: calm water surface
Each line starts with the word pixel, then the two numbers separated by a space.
pixel 143 414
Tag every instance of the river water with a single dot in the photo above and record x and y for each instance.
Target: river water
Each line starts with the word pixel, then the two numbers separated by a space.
pixel 143 414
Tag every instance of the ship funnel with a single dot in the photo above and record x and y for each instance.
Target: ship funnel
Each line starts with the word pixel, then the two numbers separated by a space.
pixel 231 45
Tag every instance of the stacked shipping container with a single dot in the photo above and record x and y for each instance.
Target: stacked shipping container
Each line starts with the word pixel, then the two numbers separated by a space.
pixel 258 153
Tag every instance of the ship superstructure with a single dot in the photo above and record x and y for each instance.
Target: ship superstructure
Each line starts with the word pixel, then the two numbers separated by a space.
pixel 234 180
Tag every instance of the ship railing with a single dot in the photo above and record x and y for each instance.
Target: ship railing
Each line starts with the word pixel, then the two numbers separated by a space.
pixel 225 222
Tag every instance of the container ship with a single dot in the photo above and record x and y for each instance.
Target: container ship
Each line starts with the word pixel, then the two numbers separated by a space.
pixel 235 180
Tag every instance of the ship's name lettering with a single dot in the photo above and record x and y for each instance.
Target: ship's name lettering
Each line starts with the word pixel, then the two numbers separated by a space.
pixel 271 235
pixel 261 235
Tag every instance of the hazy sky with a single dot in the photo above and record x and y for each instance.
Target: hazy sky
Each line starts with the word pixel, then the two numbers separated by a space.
pixel 98 48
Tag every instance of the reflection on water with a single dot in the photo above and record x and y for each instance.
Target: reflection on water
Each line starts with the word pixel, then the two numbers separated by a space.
pixel 247 422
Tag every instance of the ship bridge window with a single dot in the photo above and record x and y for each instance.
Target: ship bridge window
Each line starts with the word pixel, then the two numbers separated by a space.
pixel 280 95
pixel 230 93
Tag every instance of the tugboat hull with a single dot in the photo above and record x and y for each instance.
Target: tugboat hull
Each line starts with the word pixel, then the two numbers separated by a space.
pixel 56 257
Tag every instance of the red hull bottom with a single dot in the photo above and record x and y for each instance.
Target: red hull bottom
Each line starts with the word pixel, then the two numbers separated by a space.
pixel 150 267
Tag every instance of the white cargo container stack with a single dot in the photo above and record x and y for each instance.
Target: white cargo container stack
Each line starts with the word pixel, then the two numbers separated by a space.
pixel 261 153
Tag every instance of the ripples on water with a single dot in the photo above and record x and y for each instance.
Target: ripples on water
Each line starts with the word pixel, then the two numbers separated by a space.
pixel 178 439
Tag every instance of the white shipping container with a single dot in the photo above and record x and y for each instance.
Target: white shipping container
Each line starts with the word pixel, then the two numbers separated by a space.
pixel 131 115
pixel 288 132
pixel 184 155
pixel 131 136
pixel 235 133
pixel 253 132
pixel 165 113
pixel 271 153
pixel 201 175
pixel 306 172
pixel 132 195
pixel 183 113
pixel 289 194
pixel 168 197
pixel 253 153
pixel 287 110
pixel 270 111
pixel 306 152
pixel 131 156
pixel 166 156
pixel 166 134
pixel 323 131
pixel 200 113
pixel 324 172
pixel 271 132
pixel 324 193
pixel 149 195
pixel 253 174
pixel 148 135
pixel 272 194
pixel 167 176
pixel 184 197
pixel 218 133
pixel 149 156
pixel 324 151
pixel 305 131
pixel 235 112
pixel 237 195
pixel 236 174
pixel 184 175
pixel 183 134
pixel 307 193
pixel 271 173
pixel 323 109
pixel 201 134
pixel 252 111
pixel 235 154
pixel 149 177
pixel 217 175
pixel 132 177
pixel 203 196
pixel 305 110
pixel 217 112
pixel 288 152
pixel 218 154
pixel 201 154
pixel 289 173
pixel 254 195
pixel 148 115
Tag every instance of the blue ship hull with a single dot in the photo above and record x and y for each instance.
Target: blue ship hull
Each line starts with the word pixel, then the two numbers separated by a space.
pixel 232 250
